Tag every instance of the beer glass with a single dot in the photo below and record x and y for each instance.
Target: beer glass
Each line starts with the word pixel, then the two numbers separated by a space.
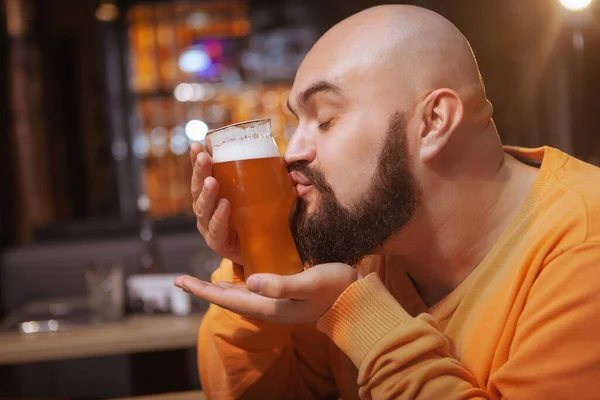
pixel 253 177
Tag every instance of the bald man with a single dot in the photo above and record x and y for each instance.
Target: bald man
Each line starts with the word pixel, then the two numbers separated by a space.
pixel 444 265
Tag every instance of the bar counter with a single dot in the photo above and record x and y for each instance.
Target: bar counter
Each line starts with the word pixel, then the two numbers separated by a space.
pixel 134 334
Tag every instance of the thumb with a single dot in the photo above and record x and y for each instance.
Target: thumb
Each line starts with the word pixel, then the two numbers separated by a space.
pixel 325 279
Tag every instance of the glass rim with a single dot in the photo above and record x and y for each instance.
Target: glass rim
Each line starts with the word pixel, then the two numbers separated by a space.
pixel 252 121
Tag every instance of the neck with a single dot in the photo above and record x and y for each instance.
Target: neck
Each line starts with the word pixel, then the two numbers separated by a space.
pixel 460 218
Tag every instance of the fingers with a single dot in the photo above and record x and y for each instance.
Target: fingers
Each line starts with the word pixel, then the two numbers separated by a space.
pixel 229 297
pixel 218 225
pixel 195 149
pixel 179 282
pixel 225 285
pixel 296 287
pixel 202 170
pixel 316 281
pixel 205 204
pixel 212 218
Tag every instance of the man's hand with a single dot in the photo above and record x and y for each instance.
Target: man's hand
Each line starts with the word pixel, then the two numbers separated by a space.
pixel 293 299
pixel 212 217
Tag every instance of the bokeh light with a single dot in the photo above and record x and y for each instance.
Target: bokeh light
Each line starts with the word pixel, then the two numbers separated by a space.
pixel 575 4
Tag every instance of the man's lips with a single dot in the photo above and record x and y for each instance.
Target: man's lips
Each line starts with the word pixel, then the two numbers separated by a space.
pixel 303 184
pixel 299 179
pixel 301 190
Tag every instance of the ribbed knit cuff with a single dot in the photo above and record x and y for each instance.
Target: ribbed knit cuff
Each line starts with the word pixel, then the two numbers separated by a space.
pixel 238 273
pixel 361 316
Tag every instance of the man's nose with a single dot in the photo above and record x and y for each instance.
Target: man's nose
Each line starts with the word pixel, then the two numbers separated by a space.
pixel 300 148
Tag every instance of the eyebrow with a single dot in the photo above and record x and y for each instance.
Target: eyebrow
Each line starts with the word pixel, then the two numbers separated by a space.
pixel 317 87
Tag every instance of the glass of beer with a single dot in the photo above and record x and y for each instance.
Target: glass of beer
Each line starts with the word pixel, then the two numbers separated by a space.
pixel 254 179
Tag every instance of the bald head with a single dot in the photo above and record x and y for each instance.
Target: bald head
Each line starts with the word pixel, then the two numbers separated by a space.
pixel 406 49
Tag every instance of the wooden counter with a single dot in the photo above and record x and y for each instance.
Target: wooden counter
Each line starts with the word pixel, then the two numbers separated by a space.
pixel 133 335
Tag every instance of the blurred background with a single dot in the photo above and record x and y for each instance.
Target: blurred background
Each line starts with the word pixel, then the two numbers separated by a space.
pixel 99 101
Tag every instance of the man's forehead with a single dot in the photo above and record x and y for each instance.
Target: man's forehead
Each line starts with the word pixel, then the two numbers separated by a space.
pixel 341 58
pixel 332 78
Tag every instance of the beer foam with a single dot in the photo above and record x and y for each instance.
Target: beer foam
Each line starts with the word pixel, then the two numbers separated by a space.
pixel 237 144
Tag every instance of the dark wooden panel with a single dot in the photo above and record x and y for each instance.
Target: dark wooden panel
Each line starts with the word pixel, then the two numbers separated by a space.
pixel 7 184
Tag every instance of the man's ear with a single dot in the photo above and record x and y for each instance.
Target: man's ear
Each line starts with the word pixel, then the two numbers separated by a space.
pixel 442 113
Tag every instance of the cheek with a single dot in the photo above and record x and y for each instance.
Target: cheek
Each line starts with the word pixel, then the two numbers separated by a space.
pixel 348 158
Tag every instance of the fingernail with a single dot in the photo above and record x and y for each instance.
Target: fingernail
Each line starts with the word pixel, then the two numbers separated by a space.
pixel 198 157
pixel 222 203
pixel 254 283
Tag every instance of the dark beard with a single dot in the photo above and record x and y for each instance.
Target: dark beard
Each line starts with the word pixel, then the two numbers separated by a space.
pixel 336 234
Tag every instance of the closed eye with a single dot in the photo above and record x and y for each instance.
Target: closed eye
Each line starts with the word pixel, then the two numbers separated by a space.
pixel 326 125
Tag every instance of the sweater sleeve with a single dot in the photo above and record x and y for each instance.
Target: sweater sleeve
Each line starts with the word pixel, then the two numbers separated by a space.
pixel 239 357
pixel 555 353
pixel 397 356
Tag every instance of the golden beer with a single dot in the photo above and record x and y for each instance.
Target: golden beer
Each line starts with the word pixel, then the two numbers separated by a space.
pixel 255 180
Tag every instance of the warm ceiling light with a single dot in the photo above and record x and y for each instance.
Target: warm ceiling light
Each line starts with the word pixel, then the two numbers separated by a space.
pixel 107 12
pixel 196 130
pixel 575 4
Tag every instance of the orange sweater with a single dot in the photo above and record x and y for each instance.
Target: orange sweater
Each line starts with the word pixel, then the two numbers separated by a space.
pixel 525 324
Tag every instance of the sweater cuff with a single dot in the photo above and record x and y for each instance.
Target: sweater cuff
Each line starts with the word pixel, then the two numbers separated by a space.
pixel 361 316
pixel 238 273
